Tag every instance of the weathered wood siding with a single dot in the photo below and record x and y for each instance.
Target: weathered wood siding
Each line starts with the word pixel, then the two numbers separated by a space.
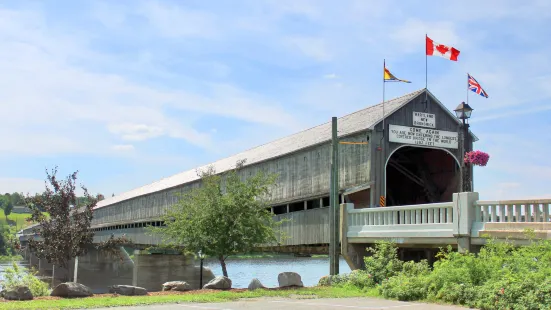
pixel 302 175
pixel 307 227
pixel 404 117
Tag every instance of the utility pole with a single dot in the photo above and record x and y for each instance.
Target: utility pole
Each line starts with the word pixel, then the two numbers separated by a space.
pixel 334 249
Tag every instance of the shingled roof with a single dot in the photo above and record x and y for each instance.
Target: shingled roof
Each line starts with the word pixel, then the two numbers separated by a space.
pixel 355 122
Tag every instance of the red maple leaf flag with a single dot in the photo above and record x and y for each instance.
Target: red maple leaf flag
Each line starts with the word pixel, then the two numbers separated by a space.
pixel 437 49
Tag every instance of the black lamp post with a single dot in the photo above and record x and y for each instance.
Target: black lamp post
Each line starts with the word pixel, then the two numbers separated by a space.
pixel 463 112
pixel 201 257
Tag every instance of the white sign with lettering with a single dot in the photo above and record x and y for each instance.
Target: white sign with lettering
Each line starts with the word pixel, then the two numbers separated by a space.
pixel 423 136
pixel 424 119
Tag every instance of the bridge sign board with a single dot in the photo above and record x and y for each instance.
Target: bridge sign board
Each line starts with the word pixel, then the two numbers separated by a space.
pixel 422 136
pixel 424 119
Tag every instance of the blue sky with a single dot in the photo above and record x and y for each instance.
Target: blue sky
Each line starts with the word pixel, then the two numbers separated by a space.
pixel 128 92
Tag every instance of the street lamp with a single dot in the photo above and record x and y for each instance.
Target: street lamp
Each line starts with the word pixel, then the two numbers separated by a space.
pixel 201 257
pixel 463 112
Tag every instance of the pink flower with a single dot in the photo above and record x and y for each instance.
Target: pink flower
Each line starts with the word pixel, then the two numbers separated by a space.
pixel 478 158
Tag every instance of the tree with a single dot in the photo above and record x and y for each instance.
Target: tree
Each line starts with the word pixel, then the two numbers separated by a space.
pixel 17 199
pixel 223 216
pixel 4 201
pixel 7 210
pixel 66 233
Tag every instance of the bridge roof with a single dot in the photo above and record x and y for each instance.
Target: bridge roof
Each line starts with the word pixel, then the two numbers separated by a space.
pixel 352 123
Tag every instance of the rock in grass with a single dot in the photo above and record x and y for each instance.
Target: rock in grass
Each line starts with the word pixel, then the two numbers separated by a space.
pixel 20 292
pixel 219 283
pixel 71 289
pixel 180 286
pixel 127 290
pixel 286 279
pixel 255 284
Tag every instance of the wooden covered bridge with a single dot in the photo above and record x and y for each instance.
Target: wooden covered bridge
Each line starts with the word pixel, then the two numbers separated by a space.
pixel 413 160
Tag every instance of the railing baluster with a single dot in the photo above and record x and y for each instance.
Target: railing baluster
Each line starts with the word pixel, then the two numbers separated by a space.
pixel 518 213
pixel 442 215
pixel 545 207
pixel 431 216
pixel 501 213
pixel 394 217
pixel 478 213
pixel 402 216
pixel 413 216
pixel 449 215
pixel 509 213
pixel 537 212
pixel 493 209
pixel 527 213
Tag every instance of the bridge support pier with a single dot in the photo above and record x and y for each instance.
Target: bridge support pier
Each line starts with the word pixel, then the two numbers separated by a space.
pixel 353 253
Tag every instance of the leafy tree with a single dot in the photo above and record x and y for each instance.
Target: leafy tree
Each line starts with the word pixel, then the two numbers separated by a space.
pixel 4 201
pixel 7 210
pixel 224 216
pixel 66 233
pixel 17 199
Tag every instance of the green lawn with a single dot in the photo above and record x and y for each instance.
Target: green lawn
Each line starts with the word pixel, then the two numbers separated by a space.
pixel 18 218
pixel 97 302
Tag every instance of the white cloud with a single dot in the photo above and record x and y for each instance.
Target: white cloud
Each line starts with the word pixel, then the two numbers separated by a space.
pixel 330 76
pixel 135 132
pixel 22 185
pixel 123 147
pixel 176 21
pixel 313 47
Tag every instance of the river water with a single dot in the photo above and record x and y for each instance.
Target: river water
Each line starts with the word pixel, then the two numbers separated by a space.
pixel 242 271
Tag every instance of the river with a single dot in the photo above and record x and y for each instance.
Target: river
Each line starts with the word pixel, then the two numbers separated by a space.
pixel 242 271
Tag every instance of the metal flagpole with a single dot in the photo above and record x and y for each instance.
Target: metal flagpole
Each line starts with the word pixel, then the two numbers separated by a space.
pixel 384 67
pixel 467 87
pixel 426 73
pixel 426 62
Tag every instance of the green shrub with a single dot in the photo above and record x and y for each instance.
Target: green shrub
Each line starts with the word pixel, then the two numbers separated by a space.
pixel 384 262
pixel 404 287
pixel 17 275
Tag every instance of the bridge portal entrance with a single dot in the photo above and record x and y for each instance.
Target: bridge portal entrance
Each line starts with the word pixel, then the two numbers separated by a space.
pixel 419 175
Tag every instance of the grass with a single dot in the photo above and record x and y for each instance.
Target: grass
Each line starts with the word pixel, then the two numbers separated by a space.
pixel 7 258
pixel 18 218
pixel 222 296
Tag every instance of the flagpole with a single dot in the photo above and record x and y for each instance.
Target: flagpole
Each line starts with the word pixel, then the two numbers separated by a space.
pixel 467 87
pixel 426 63
pixel 426 74
pixel 384 67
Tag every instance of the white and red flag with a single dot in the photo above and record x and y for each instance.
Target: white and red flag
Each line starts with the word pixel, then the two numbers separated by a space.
pixel 437 49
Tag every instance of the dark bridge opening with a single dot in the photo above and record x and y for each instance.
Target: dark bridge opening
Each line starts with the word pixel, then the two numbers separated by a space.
pixel 416 175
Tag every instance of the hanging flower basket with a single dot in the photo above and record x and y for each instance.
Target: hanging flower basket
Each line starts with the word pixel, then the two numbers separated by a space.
pixel 477 158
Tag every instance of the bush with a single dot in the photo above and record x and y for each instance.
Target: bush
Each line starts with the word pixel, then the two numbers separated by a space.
pixel 17 275
pixel 384 262
pixel 500 276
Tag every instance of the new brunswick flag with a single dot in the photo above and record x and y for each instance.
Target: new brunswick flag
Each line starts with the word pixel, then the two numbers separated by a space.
pixel 389 77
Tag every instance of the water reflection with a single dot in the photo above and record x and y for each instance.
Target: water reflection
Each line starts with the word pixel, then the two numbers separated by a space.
pixel 241 271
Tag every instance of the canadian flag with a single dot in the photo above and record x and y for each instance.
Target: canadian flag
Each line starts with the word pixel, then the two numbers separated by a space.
pixel 437 49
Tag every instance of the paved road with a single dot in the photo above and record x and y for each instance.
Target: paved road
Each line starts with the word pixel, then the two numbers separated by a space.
pixel 298 304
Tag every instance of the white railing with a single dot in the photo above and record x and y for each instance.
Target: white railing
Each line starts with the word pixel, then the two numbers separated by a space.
pixel 428 220
pixel 513 211
pixel 435 213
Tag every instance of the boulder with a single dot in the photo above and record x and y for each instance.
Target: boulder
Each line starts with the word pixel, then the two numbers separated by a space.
pixel 181 286
pixel 127 290
pixel 219 283
pixel 255 284
pixel 71 289
pixel 20 292
pixel 289 279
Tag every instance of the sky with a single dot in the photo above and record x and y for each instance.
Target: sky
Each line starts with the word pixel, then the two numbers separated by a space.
pixel 128 92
